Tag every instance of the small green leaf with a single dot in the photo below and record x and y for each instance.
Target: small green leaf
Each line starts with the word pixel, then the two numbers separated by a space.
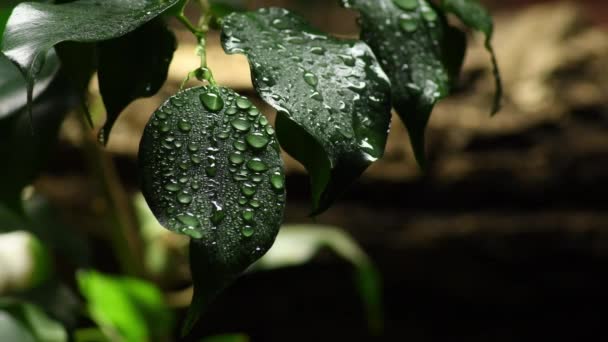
pixel 35 28
pixel 407 37
pixel 133 66
pixel 299 244
pixel 332 98
pixel 472 14
pixel 130 308
pixel 211 169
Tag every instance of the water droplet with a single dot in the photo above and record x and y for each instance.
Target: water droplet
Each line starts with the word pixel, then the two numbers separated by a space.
pixel 428 13
pixel 211 171
pixel 184 198
pixel 184 126
pixel 212 101
pixel 247 231
pixel 173 187
pixel 281 24
pixel 188 219
pixel 316 96
pixel 236 158
pixel 269 130
pixel 247 215
pixel 241 125
pixel 193 148
pixel 257 165
pixel 408 23
pixel 317 50
pixel 277 181
pixel 161 116
pixel 243 200
pixel 196 160
pixel 231 111
pixel 257 178
pixel 257 140
pixel 243 103
pixel 348 60
pixel 239 145
pixel 248 189
pixel 311 79
pixel 254 203
pixel 217 213
pixel 407 5
pixel 253 112
pixel 263 121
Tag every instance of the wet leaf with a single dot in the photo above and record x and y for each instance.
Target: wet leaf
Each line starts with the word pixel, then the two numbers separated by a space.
pixel 133 66
pixel 211 170
pixel 332 98
pixel 407 36
pixel 35 28
pixel 472 14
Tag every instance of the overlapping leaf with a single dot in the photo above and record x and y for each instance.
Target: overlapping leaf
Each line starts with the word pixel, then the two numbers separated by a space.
pixel 133 66
pixel 332 98
pixel 475 16
pixel 34 28
pixel 211 170
pixel 408 37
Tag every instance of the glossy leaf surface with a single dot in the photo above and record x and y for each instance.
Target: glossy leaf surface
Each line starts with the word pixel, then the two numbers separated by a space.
pixel 332 98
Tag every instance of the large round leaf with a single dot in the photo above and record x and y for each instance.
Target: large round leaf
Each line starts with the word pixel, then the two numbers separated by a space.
pixel 332 97
pixel 211 169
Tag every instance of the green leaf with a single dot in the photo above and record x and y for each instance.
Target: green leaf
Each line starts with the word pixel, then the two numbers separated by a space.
pixel 332 98
pixel 133 66
pixel 472 14
pixel 407 37
pixel 13 89
pixel 129 308
pixel 35 28
pixel 299 244
pixel 20 321
pixel 211 169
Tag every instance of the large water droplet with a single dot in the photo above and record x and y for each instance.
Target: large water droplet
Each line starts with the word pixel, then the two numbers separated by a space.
pixel 311 79
pixel 239 145
pixel 277 181
pixel 188 220
pixel 247 215
pixel 247 231
pixel 241 125
pixel 217 213
pixel 212 101
pixel 407 5
pixel 243 103
pixel 248 189
pixel 257 165
pixel 408 23
pixel 172 187
pixel 184 198
pixel 236 158
pixel 257 140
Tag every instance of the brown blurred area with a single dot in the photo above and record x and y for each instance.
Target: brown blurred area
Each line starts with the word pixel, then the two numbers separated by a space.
pixel 505 238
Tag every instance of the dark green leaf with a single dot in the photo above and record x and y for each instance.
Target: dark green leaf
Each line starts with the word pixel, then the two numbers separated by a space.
pixel 333 99
pixel 35 28
pixel 133 66
pixel 13 90
pixel 475 16
pixel 211 169
pixel 25 144
pixel 407 37
pixel 131 308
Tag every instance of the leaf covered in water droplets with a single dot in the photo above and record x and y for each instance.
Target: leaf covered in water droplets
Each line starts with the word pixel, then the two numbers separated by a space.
pixel 332 97
pixel 212 170
pixel 475 16
pixel 409 37
pixel 35 28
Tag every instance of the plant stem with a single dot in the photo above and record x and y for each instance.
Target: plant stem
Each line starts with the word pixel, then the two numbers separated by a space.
pixel 120 220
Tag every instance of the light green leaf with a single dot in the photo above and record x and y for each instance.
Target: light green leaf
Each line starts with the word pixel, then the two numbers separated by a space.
pixel 299 244
pixel 408 37
pixel 332 98
pixel 35 28
pixel 472 14
pixel 211 169
pixel 129 308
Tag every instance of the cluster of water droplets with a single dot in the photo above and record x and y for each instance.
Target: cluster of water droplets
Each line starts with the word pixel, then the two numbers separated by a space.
pixel 333 88
pixel 213 164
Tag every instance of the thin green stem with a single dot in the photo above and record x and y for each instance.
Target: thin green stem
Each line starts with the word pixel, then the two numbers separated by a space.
pixel 195 31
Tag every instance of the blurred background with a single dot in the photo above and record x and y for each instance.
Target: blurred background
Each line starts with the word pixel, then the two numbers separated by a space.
pixel 504 238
